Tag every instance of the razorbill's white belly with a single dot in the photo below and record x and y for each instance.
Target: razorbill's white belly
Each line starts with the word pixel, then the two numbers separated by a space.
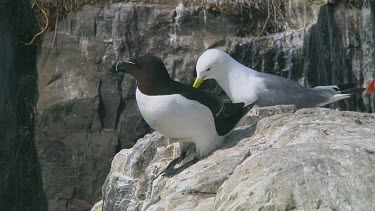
pixel 180 118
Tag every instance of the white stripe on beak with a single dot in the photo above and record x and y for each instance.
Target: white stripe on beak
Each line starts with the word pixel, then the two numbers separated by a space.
pixel 117 65
pixel 129 62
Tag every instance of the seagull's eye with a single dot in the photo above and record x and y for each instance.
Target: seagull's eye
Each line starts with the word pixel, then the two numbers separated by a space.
pixel 208 69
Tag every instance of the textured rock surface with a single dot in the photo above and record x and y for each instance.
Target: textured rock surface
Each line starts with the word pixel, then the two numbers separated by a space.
pixel 98 206
pixel 310 159
pixel 85 115
pixel 73 146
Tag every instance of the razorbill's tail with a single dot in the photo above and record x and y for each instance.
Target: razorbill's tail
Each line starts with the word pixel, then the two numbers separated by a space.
pixel 230 114
pixel 248 108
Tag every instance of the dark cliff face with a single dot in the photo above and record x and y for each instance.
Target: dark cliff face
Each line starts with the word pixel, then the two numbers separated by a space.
pixel 8 119
pixel 20 173
pixel 339 49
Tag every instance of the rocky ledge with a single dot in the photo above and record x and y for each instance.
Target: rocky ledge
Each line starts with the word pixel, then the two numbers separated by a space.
pixel 278 159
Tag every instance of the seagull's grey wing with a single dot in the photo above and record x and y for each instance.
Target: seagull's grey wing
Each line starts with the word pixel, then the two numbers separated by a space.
pixel 282 91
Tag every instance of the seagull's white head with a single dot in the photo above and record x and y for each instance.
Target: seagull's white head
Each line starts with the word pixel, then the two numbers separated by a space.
pixel 211 64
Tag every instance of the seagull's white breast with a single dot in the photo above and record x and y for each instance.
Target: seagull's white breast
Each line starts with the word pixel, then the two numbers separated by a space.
pixel 176 116
pixel 241 84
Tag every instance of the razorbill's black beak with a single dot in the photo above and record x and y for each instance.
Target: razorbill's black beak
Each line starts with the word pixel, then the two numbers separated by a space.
pixel 123 66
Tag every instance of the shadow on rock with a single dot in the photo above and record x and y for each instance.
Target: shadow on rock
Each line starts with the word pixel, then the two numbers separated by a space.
pixel 238 134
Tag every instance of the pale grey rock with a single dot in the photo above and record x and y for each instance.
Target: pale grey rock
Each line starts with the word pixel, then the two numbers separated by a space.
pixel 98 206
pixel 128 183
pixel 135 181
pixel 314 159
pixel 257 113
pixel 307 159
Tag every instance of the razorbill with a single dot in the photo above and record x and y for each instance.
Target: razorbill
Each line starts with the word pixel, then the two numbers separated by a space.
pixel 179 111
pixel 243 84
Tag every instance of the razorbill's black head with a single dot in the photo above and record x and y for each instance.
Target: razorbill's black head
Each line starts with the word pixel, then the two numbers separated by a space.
pixel 149 71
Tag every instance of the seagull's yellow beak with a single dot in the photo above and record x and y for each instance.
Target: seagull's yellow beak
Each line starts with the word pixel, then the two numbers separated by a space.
pixel 198 82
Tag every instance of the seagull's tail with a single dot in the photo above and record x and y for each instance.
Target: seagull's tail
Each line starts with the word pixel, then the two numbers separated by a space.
pixel 335 98
pixel 341 92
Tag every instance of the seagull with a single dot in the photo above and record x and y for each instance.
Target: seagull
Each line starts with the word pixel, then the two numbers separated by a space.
pixel 243 84
pixel 179 111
